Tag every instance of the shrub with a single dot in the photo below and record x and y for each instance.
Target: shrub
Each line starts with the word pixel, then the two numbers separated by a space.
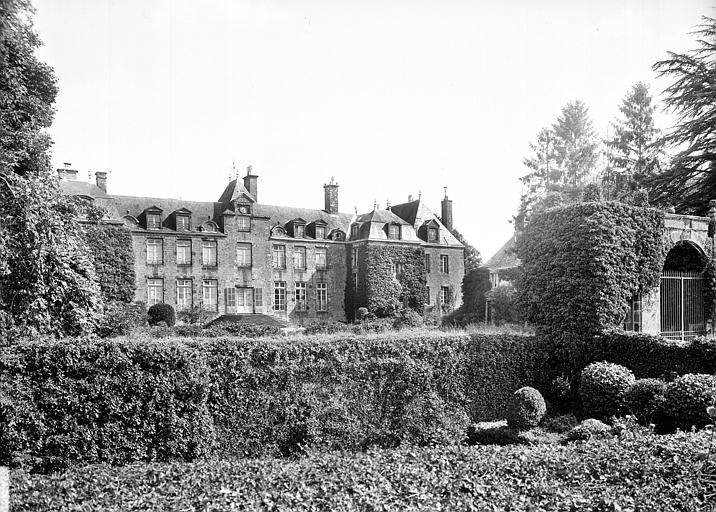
pixel 120 318
pixel 161 313
pixel 243 329
pixel 687 398
pixel 195 315
pixel 361 313
pixel 408 319
pixel 374 326
pixel 603 389
pixel 501 434
pixel 325 327
pixel 526 408
pixel 588 429
pixel 645 398
pixel 560 424
pixel 504 305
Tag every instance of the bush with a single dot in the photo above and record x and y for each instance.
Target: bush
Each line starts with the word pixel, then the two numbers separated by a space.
pixel 195 315
pixel 560 424
pixel 120 318
pixel 645 399
pixel 374 326
pixel 588 429
pixel 504 305
pixel 161 313
pixel 408 319
pixel 525 409
pixel 687 398
pixel 501 434
pixel 603 389
pixel 325 327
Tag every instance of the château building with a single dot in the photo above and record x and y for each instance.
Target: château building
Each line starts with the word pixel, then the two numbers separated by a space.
pixel 240 256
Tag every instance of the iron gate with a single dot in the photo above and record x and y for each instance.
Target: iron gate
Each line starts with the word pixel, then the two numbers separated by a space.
pixel 682 305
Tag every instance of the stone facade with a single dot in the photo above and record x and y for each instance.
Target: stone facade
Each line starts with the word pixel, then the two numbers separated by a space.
pixel 239 256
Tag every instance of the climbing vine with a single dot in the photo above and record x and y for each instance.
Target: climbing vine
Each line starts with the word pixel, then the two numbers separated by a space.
pixel 113 258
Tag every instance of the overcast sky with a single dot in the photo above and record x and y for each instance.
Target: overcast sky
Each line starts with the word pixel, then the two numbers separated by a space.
pixel 389 97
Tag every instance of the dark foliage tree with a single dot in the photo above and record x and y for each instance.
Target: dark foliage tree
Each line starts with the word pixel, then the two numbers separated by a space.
pixel 690 182
pixel 47 284
pixel 635 149
pixel 473 259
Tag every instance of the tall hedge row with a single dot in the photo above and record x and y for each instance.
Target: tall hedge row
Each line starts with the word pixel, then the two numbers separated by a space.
pixel 113 259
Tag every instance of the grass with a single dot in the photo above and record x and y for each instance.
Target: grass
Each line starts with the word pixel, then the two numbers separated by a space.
pixel 638 471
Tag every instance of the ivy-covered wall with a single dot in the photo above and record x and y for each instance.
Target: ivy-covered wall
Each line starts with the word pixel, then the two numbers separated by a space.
pixel 388 278
pixel 581 263
pixel 113 258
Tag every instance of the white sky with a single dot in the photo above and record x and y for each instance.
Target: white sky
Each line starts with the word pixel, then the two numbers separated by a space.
pixel 390 97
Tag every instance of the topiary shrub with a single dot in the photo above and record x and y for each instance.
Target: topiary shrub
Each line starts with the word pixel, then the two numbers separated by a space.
pixel 526 408
pixel 687 398
pixel 161 313
pixel 408 319
pixel 588 429
pixel 120 318
pixel 603 389
pixel 645 398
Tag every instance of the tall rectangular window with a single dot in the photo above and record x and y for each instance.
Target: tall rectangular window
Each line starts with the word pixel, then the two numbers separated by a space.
pixel 243 255
pixel 299 258
pixel 428 298
pixel 632 322
pixel 427 263
pixel 299 230
pixel 279 256
pixel 320 232
pixel 444 295
pixel 300 294
pixel 279 296
pixel 322 296
pixel 354 232
pixel 444 264
pixel 154 221
pixel 155 251
pixel 243 222
pixel 432 234
pixel 258 297
pixel 321 258
pixel 183 223
pixel 155 291
pixel 394 231
pixel 184 295
pixel 210 293
pixel 208 253
pixel 230 294
pixel 354 259
pixel 183 252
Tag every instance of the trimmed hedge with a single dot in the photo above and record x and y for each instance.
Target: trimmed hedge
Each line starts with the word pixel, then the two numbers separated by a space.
pixel 643 473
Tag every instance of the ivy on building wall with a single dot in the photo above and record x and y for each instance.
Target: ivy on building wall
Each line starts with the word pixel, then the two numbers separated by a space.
pixel 113 258
pixel 581 263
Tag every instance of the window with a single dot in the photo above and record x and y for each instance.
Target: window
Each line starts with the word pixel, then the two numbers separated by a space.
pixel 210 289
pixel 299 258
pixel 230 294
pixel 632 322
pixel 154 221
pixel 183 252
pixel 322 296
pixel 155 251
pixel 355 283
pixel 444 295
pixel 155 291
pixel 397 269
pixel 208 253
pixel 427 263
pixel 354 259
pixel 183 223
pixel 354 232
pixel 279 256
pixel 279 296
pixel 444 264
pixel 299 230
pixel 258 297
pixel 394 231
pixel 300 294
pixel 432 234
pixel 321 258
pixel 243 255
pixel 210 227
pixel 320 232
pixel 427 296
pixel 184 294
pixel 243 222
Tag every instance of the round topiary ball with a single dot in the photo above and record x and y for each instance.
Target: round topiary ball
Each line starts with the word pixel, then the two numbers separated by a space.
pixel 161 312
pixel 588 429
pixel 603 389
pixel 645 398
pixel 526 408
pixel 687 398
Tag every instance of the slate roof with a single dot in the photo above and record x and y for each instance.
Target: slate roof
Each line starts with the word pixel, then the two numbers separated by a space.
pixel 380 216
pixel 233 191
pixel 284 214
pixel 82 188
pixel 416 213
pixel 505 257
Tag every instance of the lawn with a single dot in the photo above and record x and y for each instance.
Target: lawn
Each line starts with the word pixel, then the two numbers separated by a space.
pixel 636 471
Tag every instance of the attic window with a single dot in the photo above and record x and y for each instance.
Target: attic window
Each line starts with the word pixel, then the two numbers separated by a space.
pixel 299 230
pixel 183 223
pixel 154 221
pixel 394 231
pixel 432 234
pixel 320 232
pixel 339 235
pixel 354 231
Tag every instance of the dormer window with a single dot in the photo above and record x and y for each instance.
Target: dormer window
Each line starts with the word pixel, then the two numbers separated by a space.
pixel 394 231
pixel 154 221
pixel 320 232
pixel 183 223
pixel 432 234
pixel 354 232
pixel 299 231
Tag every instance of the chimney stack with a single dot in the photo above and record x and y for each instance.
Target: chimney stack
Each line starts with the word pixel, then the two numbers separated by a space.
pixel 447 211
pixel 250 183
pixel 410 198
pixel 67 174
pixel 330 192
pixel 101 180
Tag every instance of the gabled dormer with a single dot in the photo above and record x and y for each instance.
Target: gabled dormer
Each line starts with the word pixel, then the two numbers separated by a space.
pixel 151 218
pixel 430 231
pixel 317 229
pixel 180 220
pixel 296 228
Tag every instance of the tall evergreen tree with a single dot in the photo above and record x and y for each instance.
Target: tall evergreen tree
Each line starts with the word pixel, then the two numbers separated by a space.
pixel 47 283
pixel 635 150
pixel 690 182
